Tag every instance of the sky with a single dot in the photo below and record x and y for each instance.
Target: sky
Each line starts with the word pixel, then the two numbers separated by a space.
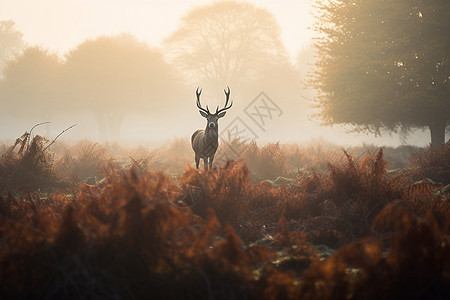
pixel 61 25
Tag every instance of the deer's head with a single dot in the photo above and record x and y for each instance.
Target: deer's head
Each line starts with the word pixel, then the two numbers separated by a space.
pixel 213 117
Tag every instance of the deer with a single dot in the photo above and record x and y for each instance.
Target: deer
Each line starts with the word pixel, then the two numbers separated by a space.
pixel 205 142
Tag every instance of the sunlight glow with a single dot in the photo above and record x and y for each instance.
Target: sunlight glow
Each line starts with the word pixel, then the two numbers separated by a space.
pixel 61 25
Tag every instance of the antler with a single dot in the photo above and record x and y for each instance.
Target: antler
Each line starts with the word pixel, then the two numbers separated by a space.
pixel 198 93
pixel 226 102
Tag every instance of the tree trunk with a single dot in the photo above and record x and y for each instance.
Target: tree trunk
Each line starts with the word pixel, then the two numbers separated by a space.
pixel 437 130
pixel 109 124
pixel 114 122
pixel 102 125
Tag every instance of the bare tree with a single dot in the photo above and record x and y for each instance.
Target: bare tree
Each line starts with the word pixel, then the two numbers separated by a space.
pixel 226 43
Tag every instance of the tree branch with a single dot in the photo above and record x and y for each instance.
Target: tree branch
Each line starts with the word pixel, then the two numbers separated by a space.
pixel 59 135
pixel 31 130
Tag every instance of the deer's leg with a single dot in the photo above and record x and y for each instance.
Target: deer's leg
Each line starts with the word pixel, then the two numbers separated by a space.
pixel 205 162
pixel 211 158
pixel 197 161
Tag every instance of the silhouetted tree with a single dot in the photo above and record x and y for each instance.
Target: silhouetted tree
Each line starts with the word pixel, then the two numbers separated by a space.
pixel 11 43
pixel 384 64
pixel 112 76
pixel 30 87
pixel 227 43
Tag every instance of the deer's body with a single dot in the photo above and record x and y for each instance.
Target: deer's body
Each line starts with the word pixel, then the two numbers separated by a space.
pixel 205 142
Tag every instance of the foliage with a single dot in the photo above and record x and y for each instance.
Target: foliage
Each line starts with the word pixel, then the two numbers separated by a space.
pixel 433 163
pixel 354 194
pixel 407 258
pixel 133 237
pixel 11 43
pixel 300 159
pixel 111 76
pixel 26 164
pixel 85 160
pixel 132 221
pixel 221 234
pixel 267 162
pixel 333 208
pixel 173 156
pixel 32 84
pixel 383 64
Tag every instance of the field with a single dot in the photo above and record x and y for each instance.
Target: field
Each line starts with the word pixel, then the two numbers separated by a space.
pixel 89 220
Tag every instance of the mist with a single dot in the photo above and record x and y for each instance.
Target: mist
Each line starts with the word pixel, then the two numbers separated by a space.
pixel 117 85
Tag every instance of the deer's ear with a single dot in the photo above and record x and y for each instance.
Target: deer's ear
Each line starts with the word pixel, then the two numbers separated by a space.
pixel 221 114
pixel 203 114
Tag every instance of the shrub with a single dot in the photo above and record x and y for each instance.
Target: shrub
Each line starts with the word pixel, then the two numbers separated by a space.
pixel 125 240
pixel 85 159
pixel 217 234
pixel 26 164
pixel 406 258
pixel 433 163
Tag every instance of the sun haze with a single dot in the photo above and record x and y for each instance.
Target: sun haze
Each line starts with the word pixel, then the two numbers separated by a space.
pixel 61 25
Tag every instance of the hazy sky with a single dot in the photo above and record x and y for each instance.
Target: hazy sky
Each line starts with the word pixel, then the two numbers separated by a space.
pixel 62 24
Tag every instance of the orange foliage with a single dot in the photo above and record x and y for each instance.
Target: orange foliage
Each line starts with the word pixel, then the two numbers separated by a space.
pixel 433 163
pixel 129 235
pixel 220 234
pixel 407 258
pixel 27 165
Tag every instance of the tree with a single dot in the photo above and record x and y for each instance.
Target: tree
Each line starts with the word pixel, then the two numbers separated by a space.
pixel 112 76
pixel 11 43
pixel 30 87
pixel 227 43
pixel 384 64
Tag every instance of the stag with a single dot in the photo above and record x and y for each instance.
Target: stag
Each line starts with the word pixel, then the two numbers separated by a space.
pixel 205 142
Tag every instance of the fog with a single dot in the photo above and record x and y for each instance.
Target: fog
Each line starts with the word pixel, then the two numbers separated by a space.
pixel 127 71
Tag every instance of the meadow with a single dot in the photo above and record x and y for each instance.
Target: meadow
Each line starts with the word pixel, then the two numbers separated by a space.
pixel 286 221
